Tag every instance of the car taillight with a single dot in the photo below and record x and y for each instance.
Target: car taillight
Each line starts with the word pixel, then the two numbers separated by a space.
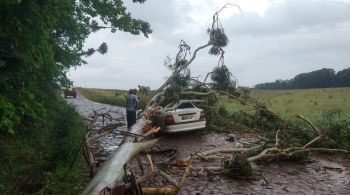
pixel 169 120
pixel 202 116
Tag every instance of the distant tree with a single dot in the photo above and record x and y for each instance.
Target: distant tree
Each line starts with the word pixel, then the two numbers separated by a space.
pixel 144 89
pixel 343 78
pixel 316 79
pixel 322 78
pixel 40 40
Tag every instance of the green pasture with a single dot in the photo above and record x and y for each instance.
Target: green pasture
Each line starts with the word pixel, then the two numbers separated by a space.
pixel 309 102
pixel 110 96
pixel 106 96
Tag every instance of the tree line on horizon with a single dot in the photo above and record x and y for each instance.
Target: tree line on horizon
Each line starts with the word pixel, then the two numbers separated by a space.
pixel 322 78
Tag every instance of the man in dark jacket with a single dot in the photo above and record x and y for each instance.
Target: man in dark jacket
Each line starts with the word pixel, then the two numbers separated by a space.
pixel 131 105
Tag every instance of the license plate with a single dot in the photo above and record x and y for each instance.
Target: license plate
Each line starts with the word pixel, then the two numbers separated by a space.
pixel 186 117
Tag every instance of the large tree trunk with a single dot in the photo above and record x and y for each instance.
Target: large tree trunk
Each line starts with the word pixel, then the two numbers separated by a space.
pixel 112 171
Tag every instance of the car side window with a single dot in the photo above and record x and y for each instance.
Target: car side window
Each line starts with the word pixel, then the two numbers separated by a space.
pixel 185 105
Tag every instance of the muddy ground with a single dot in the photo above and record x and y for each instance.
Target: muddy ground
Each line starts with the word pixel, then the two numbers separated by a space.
pixel 322 174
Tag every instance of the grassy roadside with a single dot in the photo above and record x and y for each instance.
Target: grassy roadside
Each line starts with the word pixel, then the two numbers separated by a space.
pixel 105 96
pixel 38 161
pixel 111 96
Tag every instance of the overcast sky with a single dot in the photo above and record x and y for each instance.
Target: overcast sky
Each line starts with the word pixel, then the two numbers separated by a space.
pixel 272 39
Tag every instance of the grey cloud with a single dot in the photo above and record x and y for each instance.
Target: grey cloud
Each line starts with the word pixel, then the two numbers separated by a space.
pixel 292 15
pixel 293 37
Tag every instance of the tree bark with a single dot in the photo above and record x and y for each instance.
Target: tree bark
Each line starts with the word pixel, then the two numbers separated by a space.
pixel 112 171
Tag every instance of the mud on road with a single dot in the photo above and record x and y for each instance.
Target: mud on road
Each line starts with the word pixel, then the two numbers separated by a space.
pixel 323 174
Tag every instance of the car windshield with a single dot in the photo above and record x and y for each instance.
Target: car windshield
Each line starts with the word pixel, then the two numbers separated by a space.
pixel 185 105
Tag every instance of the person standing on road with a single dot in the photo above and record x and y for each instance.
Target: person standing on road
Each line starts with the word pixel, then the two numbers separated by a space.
pixel 131 105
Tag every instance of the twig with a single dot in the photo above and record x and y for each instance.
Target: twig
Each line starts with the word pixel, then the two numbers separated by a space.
pixel 277 140
pixel 187 170
pixel 222 150
pixel 150 161
pixel 312 141
pixel 320 135
pixel 263 154
pixel 310 123
pixel 177 72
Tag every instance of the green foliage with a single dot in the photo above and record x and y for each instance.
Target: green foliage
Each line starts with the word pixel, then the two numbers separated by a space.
pixel 222 111
pixel 219 39
pixel 237 166
pixel 221 77
pixel 63 180
pixel 336 128
pixel 144 89
pixel 143 94
pixel 178 83
pixel 27 159
pixel 39 42
pixel 8 116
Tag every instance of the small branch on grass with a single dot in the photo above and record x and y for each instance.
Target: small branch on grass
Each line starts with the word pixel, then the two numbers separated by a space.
pixel 312 141
pixel 277 140
pixel 320 135
pixel 310 123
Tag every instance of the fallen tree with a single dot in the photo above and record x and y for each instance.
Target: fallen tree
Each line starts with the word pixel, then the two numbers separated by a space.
pixel 113 176
pixel 110 174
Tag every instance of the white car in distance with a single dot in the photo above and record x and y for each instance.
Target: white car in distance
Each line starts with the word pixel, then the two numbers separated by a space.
pixel 182 116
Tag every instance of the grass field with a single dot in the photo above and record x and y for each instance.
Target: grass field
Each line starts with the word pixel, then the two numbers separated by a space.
pixel 309 102
pixel 106 96
pixel 110 96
